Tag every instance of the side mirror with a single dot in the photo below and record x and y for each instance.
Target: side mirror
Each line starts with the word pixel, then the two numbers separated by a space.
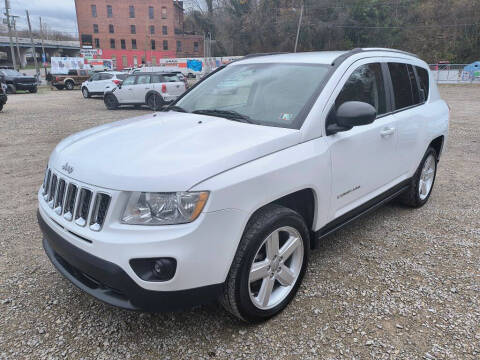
pixel 351 114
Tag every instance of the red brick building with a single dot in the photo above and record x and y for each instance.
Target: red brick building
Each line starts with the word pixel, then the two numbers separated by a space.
pixel 133 32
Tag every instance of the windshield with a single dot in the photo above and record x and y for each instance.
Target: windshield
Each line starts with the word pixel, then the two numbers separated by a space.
pixel 275 94
pixel 9 72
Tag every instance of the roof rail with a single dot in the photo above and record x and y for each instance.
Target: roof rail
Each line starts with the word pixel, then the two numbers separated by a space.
pixel 249 56
pixel 389 50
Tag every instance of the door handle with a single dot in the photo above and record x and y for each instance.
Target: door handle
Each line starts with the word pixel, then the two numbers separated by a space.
pixel 387 132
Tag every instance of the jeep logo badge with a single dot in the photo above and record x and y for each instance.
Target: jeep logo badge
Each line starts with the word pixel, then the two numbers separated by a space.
pixel 67 168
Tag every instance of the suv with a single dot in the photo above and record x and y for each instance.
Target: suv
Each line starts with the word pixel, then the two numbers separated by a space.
pixel 17 81
pixel 153 89
pixel 100 82
pixel 224 194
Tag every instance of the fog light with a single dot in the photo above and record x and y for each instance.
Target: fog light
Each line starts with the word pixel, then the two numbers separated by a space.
pixel 158 269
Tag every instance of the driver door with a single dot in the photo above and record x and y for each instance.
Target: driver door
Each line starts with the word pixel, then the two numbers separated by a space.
pixel 363 159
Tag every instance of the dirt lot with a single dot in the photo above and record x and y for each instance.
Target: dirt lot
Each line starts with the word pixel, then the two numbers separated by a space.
pixel 397 284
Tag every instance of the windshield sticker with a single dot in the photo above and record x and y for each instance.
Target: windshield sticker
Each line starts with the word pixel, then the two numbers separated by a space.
pixel 286 117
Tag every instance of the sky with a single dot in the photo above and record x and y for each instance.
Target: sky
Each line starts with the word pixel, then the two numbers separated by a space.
pixel 58 14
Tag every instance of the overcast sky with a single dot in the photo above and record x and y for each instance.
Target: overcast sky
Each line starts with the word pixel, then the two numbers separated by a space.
pixel 58 14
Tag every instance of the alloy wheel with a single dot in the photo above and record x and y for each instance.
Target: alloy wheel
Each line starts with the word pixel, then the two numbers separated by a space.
pixel 427 177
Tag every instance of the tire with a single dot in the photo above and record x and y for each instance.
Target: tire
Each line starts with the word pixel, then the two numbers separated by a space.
pixel 423 181
pixel 69 85
pixel 59 87
pixel 85 93
pixel 242 297
pixel 1 107
pixel 155 102
pixel 11 89
pixel 111 102
pixel 33 90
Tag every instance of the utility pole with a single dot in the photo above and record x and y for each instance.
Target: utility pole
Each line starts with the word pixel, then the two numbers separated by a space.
pixel 14 17
pixel 7 14
pixel 299 26
pixel 37 70
pixel 44 56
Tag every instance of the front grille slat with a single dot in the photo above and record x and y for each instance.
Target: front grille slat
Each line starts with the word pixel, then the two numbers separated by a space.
pixel 74 202
pixel 100 208
pixel 83 207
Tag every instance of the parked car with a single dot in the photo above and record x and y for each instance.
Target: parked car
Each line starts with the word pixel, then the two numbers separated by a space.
pixel 102 81
pixel 3 93
pixel 72 79
pixel 152 89
pixel 224 194
pixel 17 81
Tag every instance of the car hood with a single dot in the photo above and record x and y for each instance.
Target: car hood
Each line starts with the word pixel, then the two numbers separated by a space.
pixel 165 152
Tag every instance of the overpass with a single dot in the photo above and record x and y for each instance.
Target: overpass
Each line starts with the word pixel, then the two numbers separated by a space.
pixel 52 48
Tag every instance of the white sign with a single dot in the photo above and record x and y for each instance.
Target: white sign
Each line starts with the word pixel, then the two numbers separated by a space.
pixel 61 65
pixel 88 52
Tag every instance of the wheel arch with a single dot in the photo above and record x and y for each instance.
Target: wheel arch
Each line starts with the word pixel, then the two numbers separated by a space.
pixel 438 144
pixel 152 92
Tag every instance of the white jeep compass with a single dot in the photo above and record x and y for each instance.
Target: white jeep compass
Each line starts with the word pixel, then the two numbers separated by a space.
pixel 224 194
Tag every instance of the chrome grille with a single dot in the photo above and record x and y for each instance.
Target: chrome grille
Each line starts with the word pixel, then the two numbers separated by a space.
pixel 75 202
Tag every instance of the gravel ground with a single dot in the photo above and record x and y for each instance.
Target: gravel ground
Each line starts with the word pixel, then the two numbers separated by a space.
pixel 399 283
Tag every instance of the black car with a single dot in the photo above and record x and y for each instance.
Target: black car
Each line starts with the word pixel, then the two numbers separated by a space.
pixel 3 93
pixel 17 81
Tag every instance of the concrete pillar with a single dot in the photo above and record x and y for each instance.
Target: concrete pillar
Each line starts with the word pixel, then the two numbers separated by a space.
pixel 23 56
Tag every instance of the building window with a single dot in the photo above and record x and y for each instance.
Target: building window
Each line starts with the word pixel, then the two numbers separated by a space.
pixel 97 43
pixel 154 60
pixel 95 28
pixel 179 46
pixel 111 29
pixel 152 29
pixel 134 44
pixel 195 46
pixel 114 60
pixel 94 10
pixel 124 61
pixel 164 30
pixel 165 44
pixel 112 43
pixel 143 62
pixel 152 43
pixel 133 29
pixel 151 13
pixel 135 61
pixel 123 44
pixel 109 11
pixel 86 40
pixel 131 10
pixel 164 12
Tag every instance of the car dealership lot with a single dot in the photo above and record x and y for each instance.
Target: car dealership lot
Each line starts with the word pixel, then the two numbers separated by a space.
pixel 399 283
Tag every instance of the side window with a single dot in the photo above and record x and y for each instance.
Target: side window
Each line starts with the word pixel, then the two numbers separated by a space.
pixel 129 80
pixel 157 79
pixel 402 87
pixel 96 77
pixel 143 79
pixel 414 84
pixel 106 76
pixel 365 85
pixel 423 78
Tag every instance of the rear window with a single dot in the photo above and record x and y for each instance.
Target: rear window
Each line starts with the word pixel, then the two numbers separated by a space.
pixel 171 78
pixel 122 76
pixel 424 81
pixel 402 86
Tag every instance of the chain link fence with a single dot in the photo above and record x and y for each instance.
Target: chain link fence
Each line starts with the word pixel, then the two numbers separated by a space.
pixel 455 73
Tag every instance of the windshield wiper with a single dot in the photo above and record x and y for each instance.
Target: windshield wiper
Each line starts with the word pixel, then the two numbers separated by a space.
pixel 227 114
pixel 174 108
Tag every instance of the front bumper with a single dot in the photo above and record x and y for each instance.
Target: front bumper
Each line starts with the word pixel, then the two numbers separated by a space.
pixel 111 284
pixel 25 86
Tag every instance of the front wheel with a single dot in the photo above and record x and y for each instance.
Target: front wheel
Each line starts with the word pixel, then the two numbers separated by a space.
pixel 33 90
pixel 422 183
pixel 85 93
pixel 11 89
pixel 269 265
pixel 155 102
pixel 110 101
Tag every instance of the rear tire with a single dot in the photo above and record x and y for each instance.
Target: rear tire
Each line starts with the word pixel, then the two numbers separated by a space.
pixel 155 102
pixel 423 181
pixel 258 286
pixel 1 107
pixel 59 87
pixel 111 102
pixel 85 93
pixel 69 85
pixel 33 90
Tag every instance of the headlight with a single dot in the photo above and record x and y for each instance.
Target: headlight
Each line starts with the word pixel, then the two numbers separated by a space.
pixel 164 208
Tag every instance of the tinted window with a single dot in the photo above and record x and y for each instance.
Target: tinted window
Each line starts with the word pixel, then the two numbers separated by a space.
pixel 143 79
pixel 157 79
pixel 402 86
pixel 414 84
pixel 365 85
pixel 129 80
pixel 121 76
pixel 106 76
pixel 95 77
pixel 423 79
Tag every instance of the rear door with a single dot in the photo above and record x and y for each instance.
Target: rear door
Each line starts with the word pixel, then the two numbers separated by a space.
pixel 363 158
pixel 105 79
pixel 92 83
pixel 124 93
pixel 142 87
pixel 407 98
